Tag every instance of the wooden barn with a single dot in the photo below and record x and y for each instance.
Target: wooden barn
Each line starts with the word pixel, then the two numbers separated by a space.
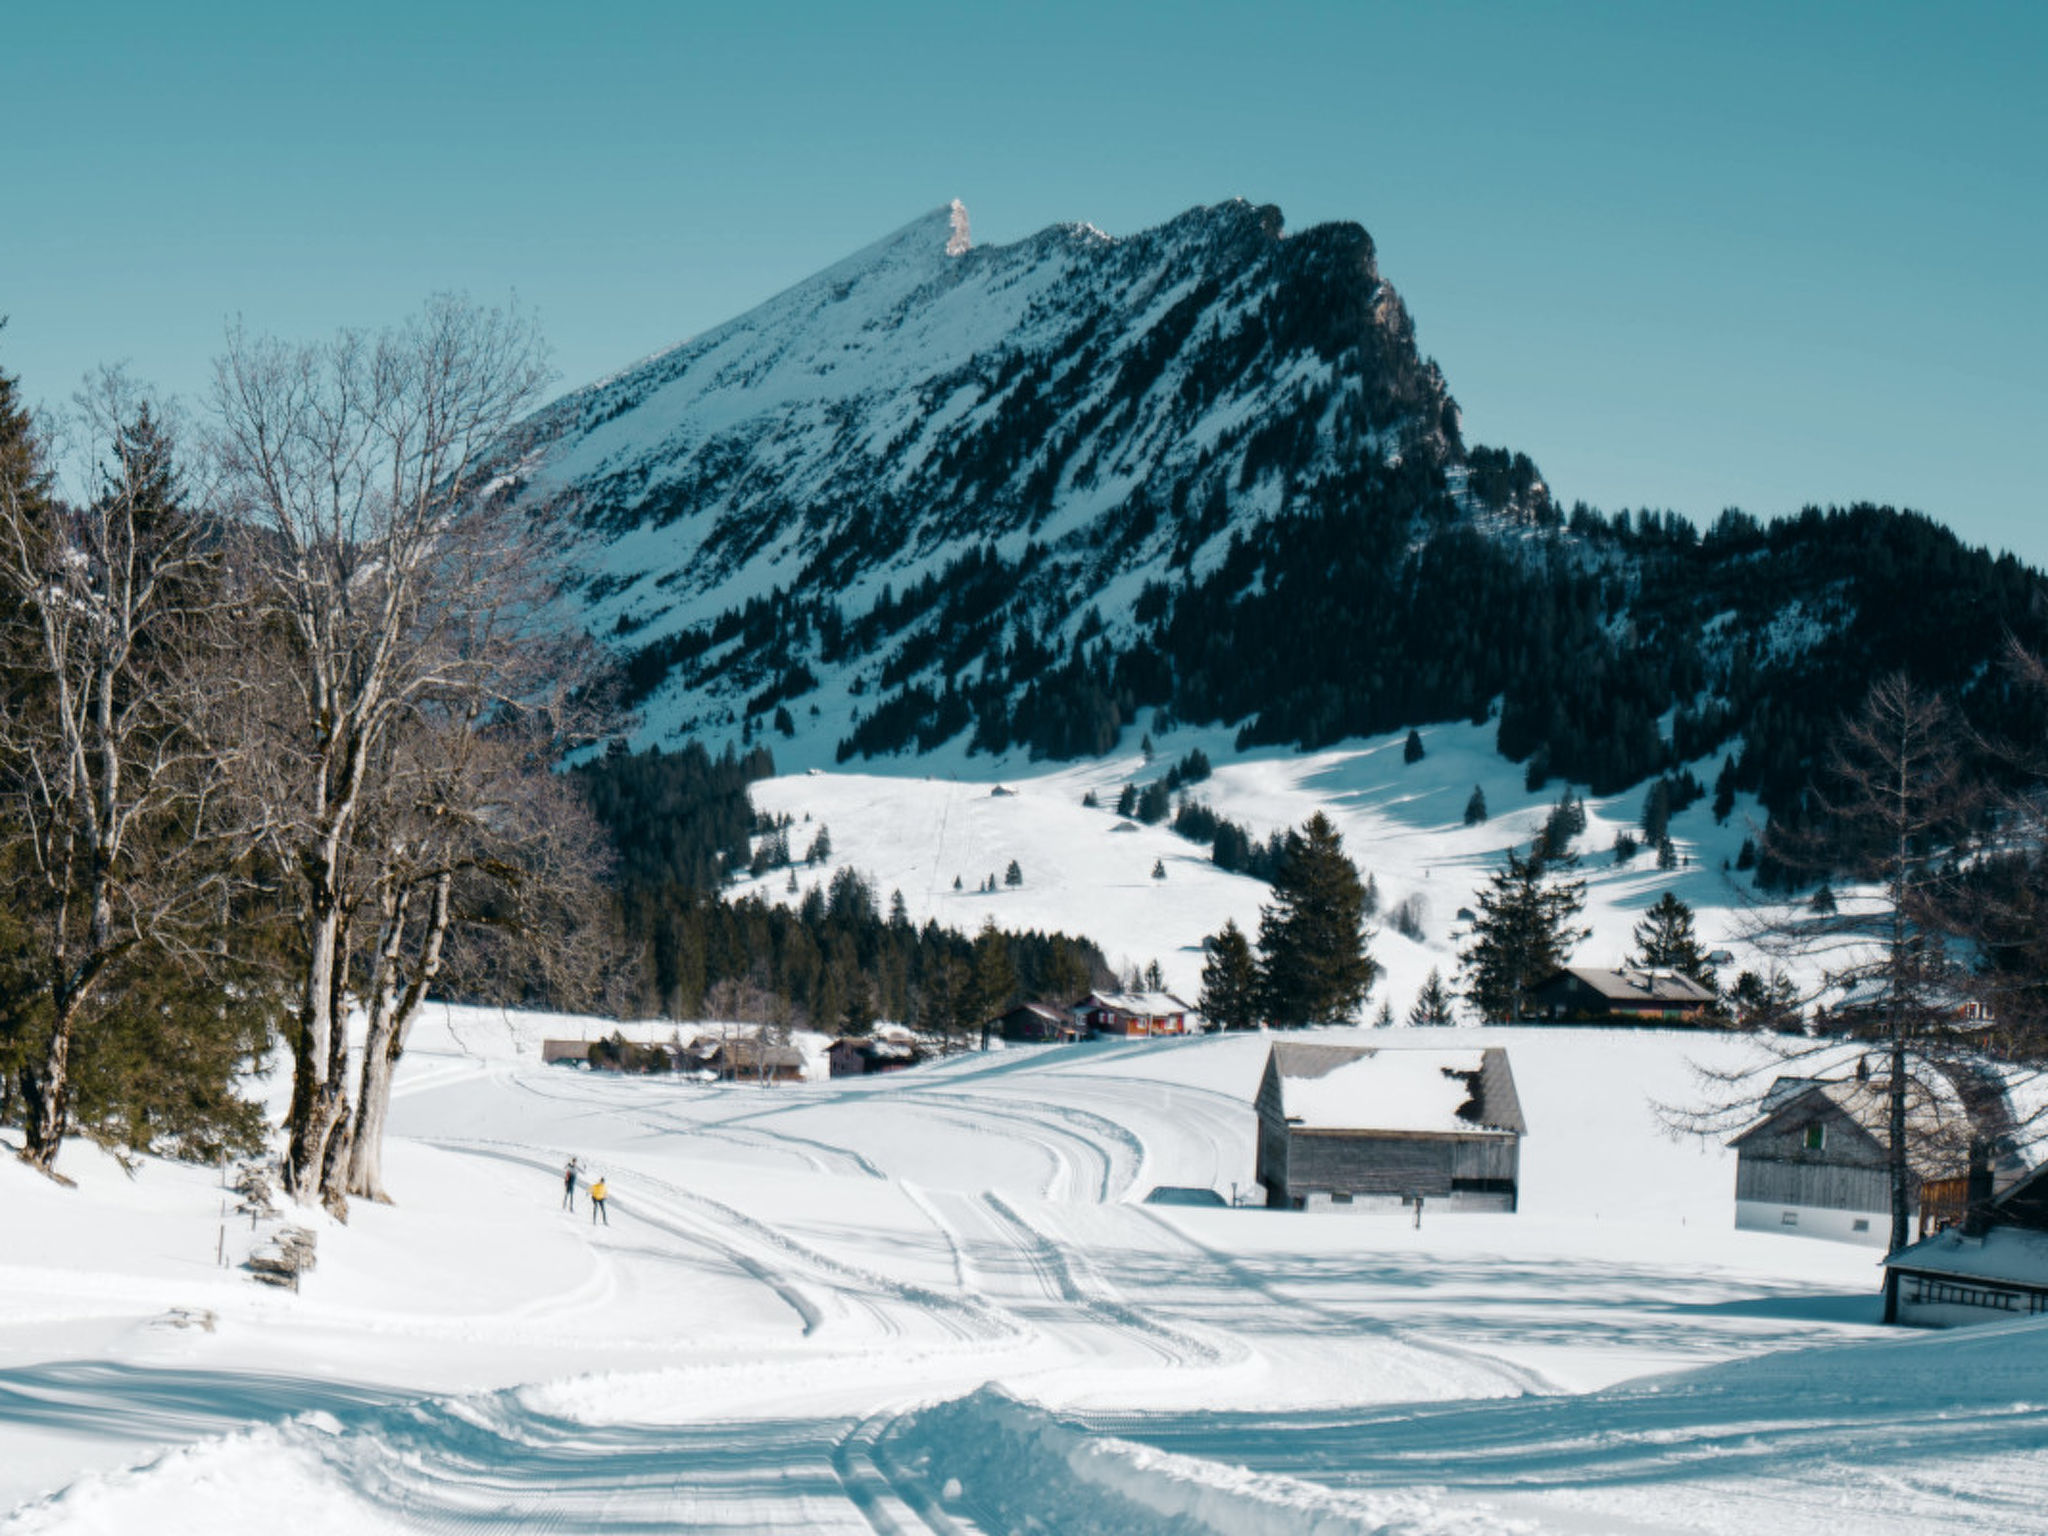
pixel 747 1060
pixel 1129 1014
pixel 1040 1022
pixel 1366 1128
pixel 565 1053
pixel 1589 994
pixel 1816 1163
pixel 1988 1268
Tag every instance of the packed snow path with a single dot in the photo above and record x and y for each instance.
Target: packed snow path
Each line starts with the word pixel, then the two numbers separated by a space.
pixel 936 1301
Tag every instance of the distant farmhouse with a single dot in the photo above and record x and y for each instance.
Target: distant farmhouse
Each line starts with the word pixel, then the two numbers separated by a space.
pixel 1365 1128
pixel 885 1050
pixel 1134 1013
pixel 1992 1266
pixel 1040 1022
pixel 1817 1162
pixel 1586 994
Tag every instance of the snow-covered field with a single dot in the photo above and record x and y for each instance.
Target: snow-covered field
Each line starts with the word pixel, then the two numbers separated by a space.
pixel 935 1301
pixel 916 826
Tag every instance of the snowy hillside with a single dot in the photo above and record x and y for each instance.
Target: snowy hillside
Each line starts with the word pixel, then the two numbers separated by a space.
pixel 1090 871
pixel 933 1301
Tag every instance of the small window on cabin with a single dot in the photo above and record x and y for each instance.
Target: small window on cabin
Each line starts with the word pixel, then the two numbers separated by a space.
pixel 1860 1224
pixel 1816 1137
pixel 1789 1219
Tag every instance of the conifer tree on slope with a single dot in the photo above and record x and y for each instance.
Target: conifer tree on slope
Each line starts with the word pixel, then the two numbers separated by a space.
pixel 1314 965
pixel 1525 931
pixel 1432 1008
pixel 1665 941
pixel 1230 980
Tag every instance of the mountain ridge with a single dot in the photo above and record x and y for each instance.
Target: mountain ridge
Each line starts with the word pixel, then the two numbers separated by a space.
pixel 1028 491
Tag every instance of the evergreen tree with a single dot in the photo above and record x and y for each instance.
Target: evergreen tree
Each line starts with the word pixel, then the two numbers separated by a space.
pixel 1657 811
pixel 1624 846
pixel 1724 791
pixel 1127 800
pixel 1230 980
pixel 1384 1019
pixel 1155 978
pixel 1665 941
pixel 1159 869
pixel 1475 808
pixel 1313 959
pixel 1412 750
pixel 992 982
pixel 821 847
pixel 1667 853
pixel 1524 933
pixel 899 911
pixel 1014 875
pixel 1432 1008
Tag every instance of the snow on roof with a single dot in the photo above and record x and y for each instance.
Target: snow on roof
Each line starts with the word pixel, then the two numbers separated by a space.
pixel 1369 1088
pixel 1937 1126
pixel 1627 984
pixel 1145 1005
pixel 2008 1255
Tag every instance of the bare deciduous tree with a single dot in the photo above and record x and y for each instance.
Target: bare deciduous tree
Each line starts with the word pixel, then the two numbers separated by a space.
pixel 1893 1003
pixel 382 565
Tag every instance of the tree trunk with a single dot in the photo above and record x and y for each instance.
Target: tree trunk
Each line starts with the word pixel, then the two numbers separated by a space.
pixel 46 1092
pixel 1901 1168
pixel 390 1024
pixel 312 1110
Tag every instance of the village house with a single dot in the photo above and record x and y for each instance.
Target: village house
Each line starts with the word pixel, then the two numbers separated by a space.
pixel 1132 1014
pixel 1039 1022
pixel 1366 1128
pixel 747 1060
pixel 1816 1163
pixel 1588 994
pixel 1991 1266
pixel 865 1055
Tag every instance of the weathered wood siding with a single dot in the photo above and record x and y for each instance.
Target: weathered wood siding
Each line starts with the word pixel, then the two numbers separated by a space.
pixel 1822 1186
pixel 1358 1163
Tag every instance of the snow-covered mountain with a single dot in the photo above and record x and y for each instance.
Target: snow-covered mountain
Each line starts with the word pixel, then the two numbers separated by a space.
pixel 1073 415
pixel 1019 499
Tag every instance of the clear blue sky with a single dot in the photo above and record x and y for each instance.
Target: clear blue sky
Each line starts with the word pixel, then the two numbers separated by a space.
pixel 1684 256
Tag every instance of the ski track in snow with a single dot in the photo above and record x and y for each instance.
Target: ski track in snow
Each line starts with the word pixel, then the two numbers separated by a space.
pixel 802 1289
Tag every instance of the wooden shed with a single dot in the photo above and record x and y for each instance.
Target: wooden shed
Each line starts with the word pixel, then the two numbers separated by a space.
pixel 1364 1128
pixel 1028 1022
pixel 1591 994
pixel 1816 1163
pixel 1988 1269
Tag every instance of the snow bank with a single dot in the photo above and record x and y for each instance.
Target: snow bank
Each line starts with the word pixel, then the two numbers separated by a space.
pixel 1014 1466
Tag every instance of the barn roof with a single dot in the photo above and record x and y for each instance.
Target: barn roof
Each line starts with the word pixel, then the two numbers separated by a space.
pixel 1144 1005
pixel 1434 1091
pixel 1937 1129
pixel 1630 984
pixel 2008 1255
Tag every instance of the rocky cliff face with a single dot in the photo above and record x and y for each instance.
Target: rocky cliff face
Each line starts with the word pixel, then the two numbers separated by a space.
pixel 1087 415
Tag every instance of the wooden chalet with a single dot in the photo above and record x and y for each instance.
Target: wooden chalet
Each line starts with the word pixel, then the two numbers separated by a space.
pixel 1367 1128
pixel 1817 1163
pixel 1991 1266
pixel 1040 1022
pixel 1587 994
pixel 1133 1014
pixel 571 1053
pixel 746 1060
pixel 865 1055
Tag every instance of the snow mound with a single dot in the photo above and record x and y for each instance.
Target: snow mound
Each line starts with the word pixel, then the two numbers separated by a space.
pixel 1013 1466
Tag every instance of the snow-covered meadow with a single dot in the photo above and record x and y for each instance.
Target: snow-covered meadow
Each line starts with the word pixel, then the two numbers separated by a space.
pixel 935 1300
